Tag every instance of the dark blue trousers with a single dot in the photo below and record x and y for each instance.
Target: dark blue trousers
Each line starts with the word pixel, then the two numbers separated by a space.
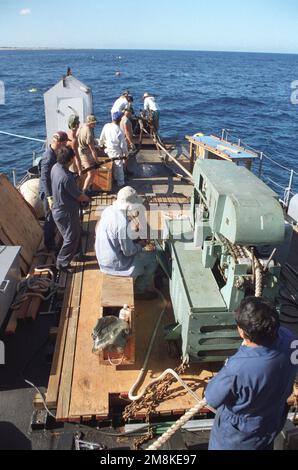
pixel 69 226
pixel 49 224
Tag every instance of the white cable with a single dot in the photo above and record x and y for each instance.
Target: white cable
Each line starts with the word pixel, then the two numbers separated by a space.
pixel 42 397
pixel 22 137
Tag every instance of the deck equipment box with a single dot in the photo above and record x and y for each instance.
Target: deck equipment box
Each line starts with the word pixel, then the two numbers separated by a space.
pixel 10 275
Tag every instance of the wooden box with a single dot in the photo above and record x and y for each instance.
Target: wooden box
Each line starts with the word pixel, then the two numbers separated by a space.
pixel 103 178
pixel 117 292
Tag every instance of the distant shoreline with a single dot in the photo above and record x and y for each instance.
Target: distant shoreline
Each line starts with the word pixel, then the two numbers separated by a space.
pixel 28 49
pixel 31 49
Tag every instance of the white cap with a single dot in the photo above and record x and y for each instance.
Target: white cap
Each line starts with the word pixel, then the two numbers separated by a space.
pixel 146 95
pixel 127 199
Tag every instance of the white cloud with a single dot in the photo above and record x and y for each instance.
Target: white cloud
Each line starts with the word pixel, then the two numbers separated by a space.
pixel 25 12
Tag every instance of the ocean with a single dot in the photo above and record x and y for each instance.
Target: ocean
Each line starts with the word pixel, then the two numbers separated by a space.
pixel 248 93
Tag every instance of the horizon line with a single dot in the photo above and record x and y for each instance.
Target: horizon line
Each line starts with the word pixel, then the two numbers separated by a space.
pixel 45 48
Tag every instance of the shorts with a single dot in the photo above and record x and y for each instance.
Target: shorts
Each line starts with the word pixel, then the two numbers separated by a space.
pixel 87 160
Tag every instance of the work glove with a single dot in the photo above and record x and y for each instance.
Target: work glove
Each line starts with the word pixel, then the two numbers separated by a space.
pixel 50 202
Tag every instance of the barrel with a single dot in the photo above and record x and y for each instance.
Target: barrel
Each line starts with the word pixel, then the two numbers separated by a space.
pixel 30 192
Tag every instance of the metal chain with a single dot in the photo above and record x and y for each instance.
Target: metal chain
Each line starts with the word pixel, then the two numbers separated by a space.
pixel 154 395
pixel 138 443
pixel 238 252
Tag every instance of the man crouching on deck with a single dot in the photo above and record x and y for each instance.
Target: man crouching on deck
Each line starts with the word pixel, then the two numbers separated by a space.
pixel 252 390
pixel 119 250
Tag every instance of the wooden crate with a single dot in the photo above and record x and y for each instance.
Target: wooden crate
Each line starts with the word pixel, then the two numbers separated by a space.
pixel 103 178
pixel 117 292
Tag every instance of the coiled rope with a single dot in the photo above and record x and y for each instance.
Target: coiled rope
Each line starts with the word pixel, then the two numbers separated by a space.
pixel 34 286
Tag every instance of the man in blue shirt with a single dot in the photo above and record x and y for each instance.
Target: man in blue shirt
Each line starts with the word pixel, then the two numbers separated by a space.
pixel 251 391
pixel 119 250
pixel 59 141
pixel 66 207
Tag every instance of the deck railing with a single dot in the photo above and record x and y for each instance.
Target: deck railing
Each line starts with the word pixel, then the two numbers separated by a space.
pixel 287 184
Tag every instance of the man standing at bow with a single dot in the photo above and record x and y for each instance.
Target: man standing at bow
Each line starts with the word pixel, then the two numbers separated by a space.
pixel 113 139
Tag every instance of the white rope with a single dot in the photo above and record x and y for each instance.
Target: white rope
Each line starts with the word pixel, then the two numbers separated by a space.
pixel 182 421
pixel 22 137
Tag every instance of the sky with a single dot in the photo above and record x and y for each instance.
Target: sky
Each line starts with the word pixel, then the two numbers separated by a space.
pixel 212 25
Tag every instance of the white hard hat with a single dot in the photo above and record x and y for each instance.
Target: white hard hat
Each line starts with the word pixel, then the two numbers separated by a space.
pixel 146 95
pixel 127 199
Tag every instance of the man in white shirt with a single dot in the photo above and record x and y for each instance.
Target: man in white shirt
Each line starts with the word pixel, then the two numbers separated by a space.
pixel 113 139
pixel 152 110
pixel 126 126
pixel 121 103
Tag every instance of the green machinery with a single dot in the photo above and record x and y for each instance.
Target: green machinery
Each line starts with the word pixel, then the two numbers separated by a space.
pixel 221 253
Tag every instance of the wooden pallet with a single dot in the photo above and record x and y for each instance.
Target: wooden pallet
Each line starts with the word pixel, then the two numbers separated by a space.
pixel 124 287
pixel 80 386
pixel 18 225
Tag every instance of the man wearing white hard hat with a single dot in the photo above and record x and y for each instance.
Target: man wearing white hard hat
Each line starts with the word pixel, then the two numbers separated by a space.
pixel 152 110
pixel 119 250
pixel 113 139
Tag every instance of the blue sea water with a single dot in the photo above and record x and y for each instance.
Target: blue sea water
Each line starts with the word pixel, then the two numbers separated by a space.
pixel 248 93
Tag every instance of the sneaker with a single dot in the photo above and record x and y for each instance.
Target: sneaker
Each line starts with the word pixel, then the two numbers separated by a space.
pixel 65 269
pixel 149 295
pixel 82 258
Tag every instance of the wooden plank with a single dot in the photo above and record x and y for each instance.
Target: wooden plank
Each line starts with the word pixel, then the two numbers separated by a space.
pixel 20 225
pixel 36 302
pixel 117 291
pixel 93 383
pixel 55 376
pixel 70 345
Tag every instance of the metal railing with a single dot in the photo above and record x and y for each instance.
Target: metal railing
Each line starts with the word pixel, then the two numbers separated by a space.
pixel 285 191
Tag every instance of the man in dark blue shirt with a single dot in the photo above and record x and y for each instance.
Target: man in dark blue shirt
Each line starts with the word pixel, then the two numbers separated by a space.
pixel 251 391
pixel 66 207
pixel 59 141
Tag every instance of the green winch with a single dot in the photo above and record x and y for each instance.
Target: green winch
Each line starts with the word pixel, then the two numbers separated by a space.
pixel 219 254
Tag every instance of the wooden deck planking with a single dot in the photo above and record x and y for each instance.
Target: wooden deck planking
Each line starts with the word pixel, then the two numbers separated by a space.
pixel 93 383
pixel 55 375
pixel 70 344
pixel 124 289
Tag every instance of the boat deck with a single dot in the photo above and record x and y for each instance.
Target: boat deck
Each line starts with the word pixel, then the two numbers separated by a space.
pixel 80 387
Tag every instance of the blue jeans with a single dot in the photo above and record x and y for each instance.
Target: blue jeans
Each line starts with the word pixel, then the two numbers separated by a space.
pixel 145 265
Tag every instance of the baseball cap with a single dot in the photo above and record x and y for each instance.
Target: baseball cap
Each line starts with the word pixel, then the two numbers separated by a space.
pixel 117 116
pixel 91 119
pixel 61 136
pixel 126 93
pixel 73 121
pixel 146 95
